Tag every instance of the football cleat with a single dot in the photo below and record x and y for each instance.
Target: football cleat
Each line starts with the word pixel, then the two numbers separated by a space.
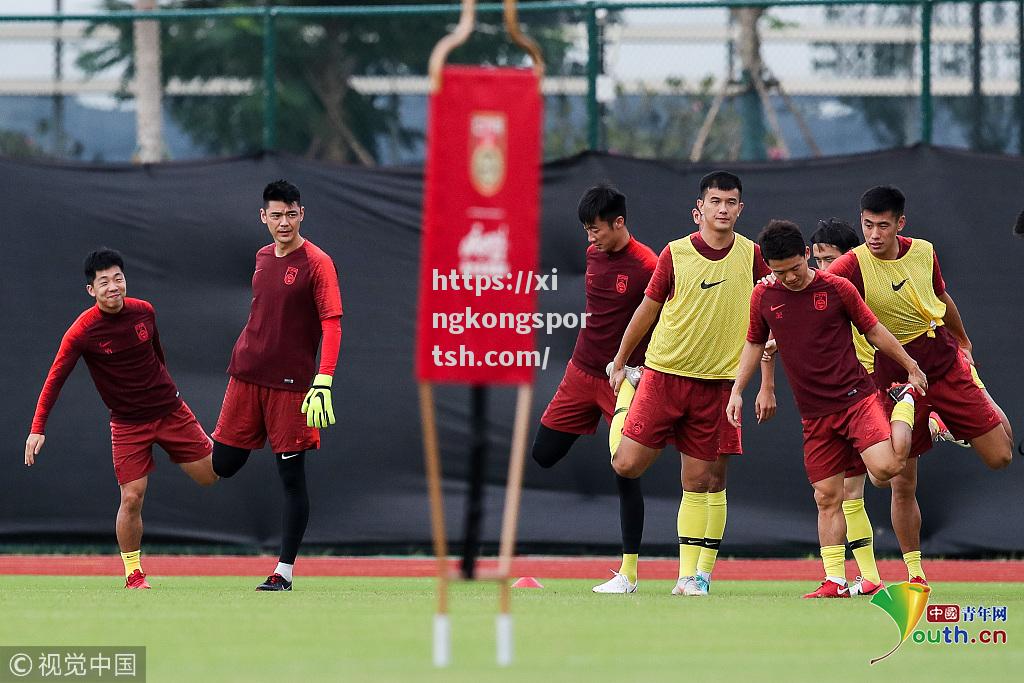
pixel 687 585
pixel 898 391
pixel 275 582
pixel 941 432
pixel 918 580
pixel 862 586
pixel 617 584
pixel 703 584
pixel 830 589
pixel 632 373
pixel 136 580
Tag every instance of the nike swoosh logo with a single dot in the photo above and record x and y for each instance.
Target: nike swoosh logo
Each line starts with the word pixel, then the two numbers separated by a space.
pixel 775 308
pixel 709 285
pixel 896 287
pixel 288 456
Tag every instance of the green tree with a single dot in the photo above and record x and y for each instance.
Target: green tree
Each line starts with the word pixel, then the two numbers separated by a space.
pixel 319 114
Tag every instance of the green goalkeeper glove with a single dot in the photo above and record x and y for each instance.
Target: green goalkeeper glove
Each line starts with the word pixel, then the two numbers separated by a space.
pixel 317 404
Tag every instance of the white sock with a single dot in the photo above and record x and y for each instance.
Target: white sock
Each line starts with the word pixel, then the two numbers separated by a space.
pixel 285 570
pixel 835 579
pixel 705 575
pixel 908 398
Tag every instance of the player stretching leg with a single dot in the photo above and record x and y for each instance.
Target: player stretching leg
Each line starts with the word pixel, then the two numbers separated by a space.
pixel 901 282
pixel 810 313
pixel 618 269
pixel 698 296
pixel 295 301
pixel 119 341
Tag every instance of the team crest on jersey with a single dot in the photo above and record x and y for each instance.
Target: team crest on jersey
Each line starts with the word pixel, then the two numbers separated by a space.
pixel 289 275
pixel 621 282
pixel 141 332
pixel 820 301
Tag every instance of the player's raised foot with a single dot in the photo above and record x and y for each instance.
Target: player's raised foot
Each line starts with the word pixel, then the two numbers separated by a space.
pixel 136 580
pixel 632 373
pixel 862 586
pixel 275 582
pixel 617 584
pixel 920 580
pixel 687 585
pixel 898 391
pixel 830 589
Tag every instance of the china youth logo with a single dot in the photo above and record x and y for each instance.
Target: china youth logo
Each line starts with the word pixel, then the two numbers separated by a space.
pixel 820 301
pixel 141 332
pixel 621 282
pixel 905 603
pixel 289 275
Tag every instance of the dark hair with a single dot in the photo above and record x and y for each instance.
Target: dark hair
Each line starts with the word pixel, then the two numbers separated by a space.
pixel 101 259
pixel 883 198
pixel 836 232
pixel 781 240
pixel 601 202
pixel 719 180
pixel 281 191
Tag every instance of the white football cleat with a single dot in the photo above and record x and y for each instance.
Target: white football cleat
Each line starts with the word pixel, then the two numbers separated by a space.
pixel 687 585
pixel 632 373
pixel 617 584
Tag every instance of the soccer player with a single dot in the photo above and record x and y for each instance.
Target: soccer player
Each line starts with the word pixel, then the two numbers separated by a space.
pixel 618 269
pixel 296 301
pixel 698 295
pixel 119 340
pixel 810 313
pixel 902 283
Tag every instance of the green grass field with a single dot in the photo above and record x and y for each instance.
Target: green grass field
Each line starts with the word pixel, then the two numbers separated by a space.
pixel 356 629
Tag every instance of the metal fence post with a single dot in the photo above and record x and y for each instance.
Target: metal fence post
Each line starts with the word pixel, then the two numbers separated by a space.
pixel 269 81
pixel 593 69
pixel 926 72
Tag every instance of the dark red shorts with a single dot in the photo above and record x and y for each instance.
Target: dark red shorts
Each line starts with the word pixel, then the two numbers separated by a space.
pixel 955 396
pixel 833 443
pixel 579 403
pixel 730 439
pixel 179 433
pixel 681 410
pixel 251 414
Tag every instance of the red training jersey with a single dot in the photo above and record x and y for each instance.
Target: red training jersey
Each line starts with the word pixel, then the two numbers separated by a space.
pixel 812 327
pixel 615 287
pixel 291 296
pixel 123 353
pixel 663 282
pixel 936 354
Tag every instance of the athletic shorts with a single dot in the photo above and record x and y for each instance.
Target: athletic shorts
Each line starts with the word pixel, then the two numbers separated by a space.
pixel 833 443
pixel 730 439
pixel 579 403
pixel 681 410
pixel 958 400
pixel 251 414
pixel 179 433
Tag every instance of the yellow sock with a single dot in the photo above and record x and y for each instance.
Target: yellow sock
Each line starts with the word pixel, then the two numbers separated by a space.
pixel 628 567
pixel 861 538
pixel 622 401
pixel 132 561
pixel 913 560
pixel 717 512
pixel 834 559
pixel 903 412
pixel 691 523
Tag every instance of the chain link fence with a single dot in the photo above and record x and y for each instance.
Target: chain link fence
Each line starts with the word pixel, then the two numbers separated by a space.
pixel 679 80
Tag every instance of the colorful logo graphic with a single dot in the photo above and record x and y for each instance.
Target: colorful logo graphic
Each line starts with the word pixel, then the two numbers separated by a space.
pixel 905 603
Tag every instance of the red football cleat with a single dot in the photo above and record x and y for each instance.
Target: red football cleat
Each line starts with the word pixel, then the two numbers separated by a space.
pixel 864 587
pixel 136 580
pixel 830 589
pixel 919 579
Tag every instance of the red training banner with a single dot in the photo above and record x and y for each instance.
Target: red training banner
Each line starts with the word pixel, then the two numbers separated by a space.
pixel 479 259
